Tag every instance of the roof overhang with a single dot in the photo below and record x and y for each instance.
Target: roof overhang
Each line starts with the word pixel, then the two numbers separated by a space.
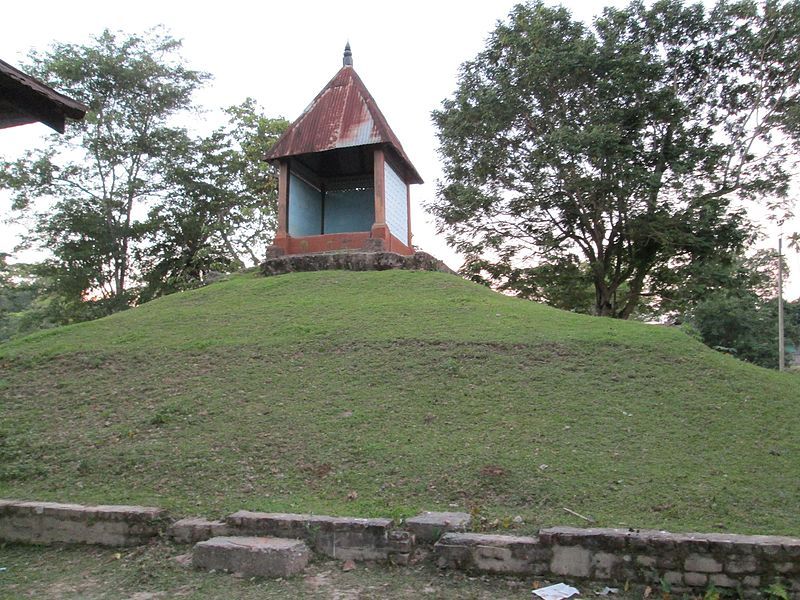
pixel 24 99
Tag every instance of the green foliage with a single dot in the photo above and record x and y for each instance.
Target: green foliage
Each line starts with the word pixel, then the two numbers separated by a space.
pixel 564 283
pixel 128 205
pixel 221 207
pixel 415 390
pixel 740 326
pixel 25 302
pixel 683 287
pixel 99 176
pixel 711 593
pixel 621 145
pixel 18 291
pixel 777 591
pixel 741 315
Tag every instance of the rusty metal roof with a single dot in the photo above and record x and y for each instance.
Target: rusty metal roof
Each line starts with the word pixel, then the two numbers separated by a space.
pixel 343 115
pixel 24 99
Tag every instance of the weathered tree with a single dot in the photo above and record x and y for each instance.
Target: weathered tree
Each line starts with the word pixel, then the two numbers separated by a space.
pixel 630 145
pixel 92 187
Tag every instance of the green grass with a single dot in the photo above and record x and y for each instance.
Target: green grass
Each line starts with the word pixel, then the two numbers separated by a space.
pixel 386 393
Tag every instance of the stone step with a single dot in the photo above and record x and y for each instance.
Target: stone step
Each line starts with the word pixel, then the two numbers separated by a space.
pixel 197 529
pixel 428 527
pixel 252 556
pixel 342 538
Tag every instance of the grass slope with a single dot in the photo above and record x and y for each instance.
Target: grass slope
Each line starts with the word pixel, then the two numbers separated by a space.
pixel 385 393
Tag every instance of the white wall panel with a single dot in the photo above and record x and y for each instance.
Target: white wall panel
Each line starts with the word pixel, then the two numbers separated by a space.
pixel 396 204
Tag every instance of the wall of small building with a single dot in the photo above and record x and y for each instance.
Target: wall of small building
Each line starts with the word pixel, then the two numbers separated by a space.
pixel 349 210
pixel 329 206
pixel 396 204
pixel 305 208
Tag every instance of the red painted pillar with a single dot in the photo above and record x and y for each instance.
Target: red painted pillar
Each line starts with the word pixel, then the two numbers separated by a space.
pixel 379 228
pixel 282 234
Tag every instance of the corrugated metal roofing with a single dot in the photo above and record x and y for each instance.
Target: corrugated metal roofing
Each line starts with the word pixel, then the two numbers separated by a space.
pixel 343 115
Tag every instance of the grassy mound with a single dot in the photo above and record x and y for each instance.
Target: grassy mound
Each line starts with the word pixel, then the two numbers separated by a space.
pixel 384 393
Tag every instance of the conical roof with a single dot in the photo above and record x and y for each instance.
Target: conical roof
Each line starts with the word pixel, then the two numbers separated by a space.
pixel 343 115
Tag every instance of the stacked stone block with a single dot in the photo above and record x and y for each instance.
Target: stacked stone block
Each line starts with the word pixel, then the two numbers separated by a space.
pixel 688 561
pixel 53 522
pixel 428 527
pixel 196 529
pixel 498 554
pixel 252 556
pixel 337 537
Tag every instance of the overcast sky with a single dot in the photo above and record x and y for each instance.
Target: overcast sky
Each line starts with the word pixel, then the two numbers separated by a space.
pixel 283 53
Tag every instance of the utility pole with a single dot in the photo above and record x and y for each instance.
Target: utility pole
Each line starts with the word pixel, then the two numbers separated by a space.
pixel 781 348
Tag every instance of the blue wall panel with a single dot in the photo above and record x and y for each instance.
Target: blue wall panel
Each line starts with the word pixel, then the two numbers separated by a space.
pixel 347 211
pixel 305 208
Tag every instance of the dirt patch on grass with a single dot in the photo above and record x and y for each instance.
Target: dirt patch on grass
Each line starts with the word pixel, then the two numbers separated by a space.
pixel 147 573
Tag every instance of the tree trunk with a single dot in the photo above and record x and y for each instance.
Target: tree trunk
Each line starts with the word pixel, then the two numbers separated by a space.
pixel 604 300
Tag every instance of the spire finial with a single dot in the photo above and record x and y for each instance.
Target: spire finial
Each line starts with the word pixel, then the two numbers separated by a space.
pixel 347 60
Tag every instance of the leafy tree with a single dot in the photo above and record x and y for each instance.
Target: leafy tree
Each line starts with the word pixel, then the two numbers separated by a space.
pixel 745 326
pixel 221 207
pixel 19 290
pixel 742 316
pixel 564 283
pixel 103 173
pixel 628 145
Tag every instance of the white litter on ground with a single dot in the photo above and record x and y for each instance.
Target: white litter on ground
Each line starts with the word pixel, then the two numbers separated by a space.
pixel 559 591
pixel 606 591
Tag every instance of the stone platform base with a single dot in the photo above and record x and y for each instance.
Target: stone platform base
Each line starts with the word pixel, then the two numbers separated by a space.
pixel 352 261
pixel 252 556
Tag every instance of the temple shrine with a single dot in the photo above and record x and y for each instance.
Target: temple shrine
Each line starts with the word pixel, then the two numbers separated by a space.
pixel 344 178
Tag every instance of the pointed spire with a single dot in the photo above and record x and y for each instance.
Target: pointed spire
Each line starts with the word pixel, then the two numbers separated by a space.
pixel 347 60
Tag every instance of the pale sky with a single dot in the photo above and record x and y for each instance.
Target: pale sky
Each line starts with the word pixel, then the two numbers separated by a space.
pixel 283 53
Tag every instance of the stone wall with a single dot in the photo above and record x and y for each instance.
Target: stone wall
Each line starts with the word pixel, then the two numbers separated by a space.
pixel 682 561
pixel 50 522
pixel 352 261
